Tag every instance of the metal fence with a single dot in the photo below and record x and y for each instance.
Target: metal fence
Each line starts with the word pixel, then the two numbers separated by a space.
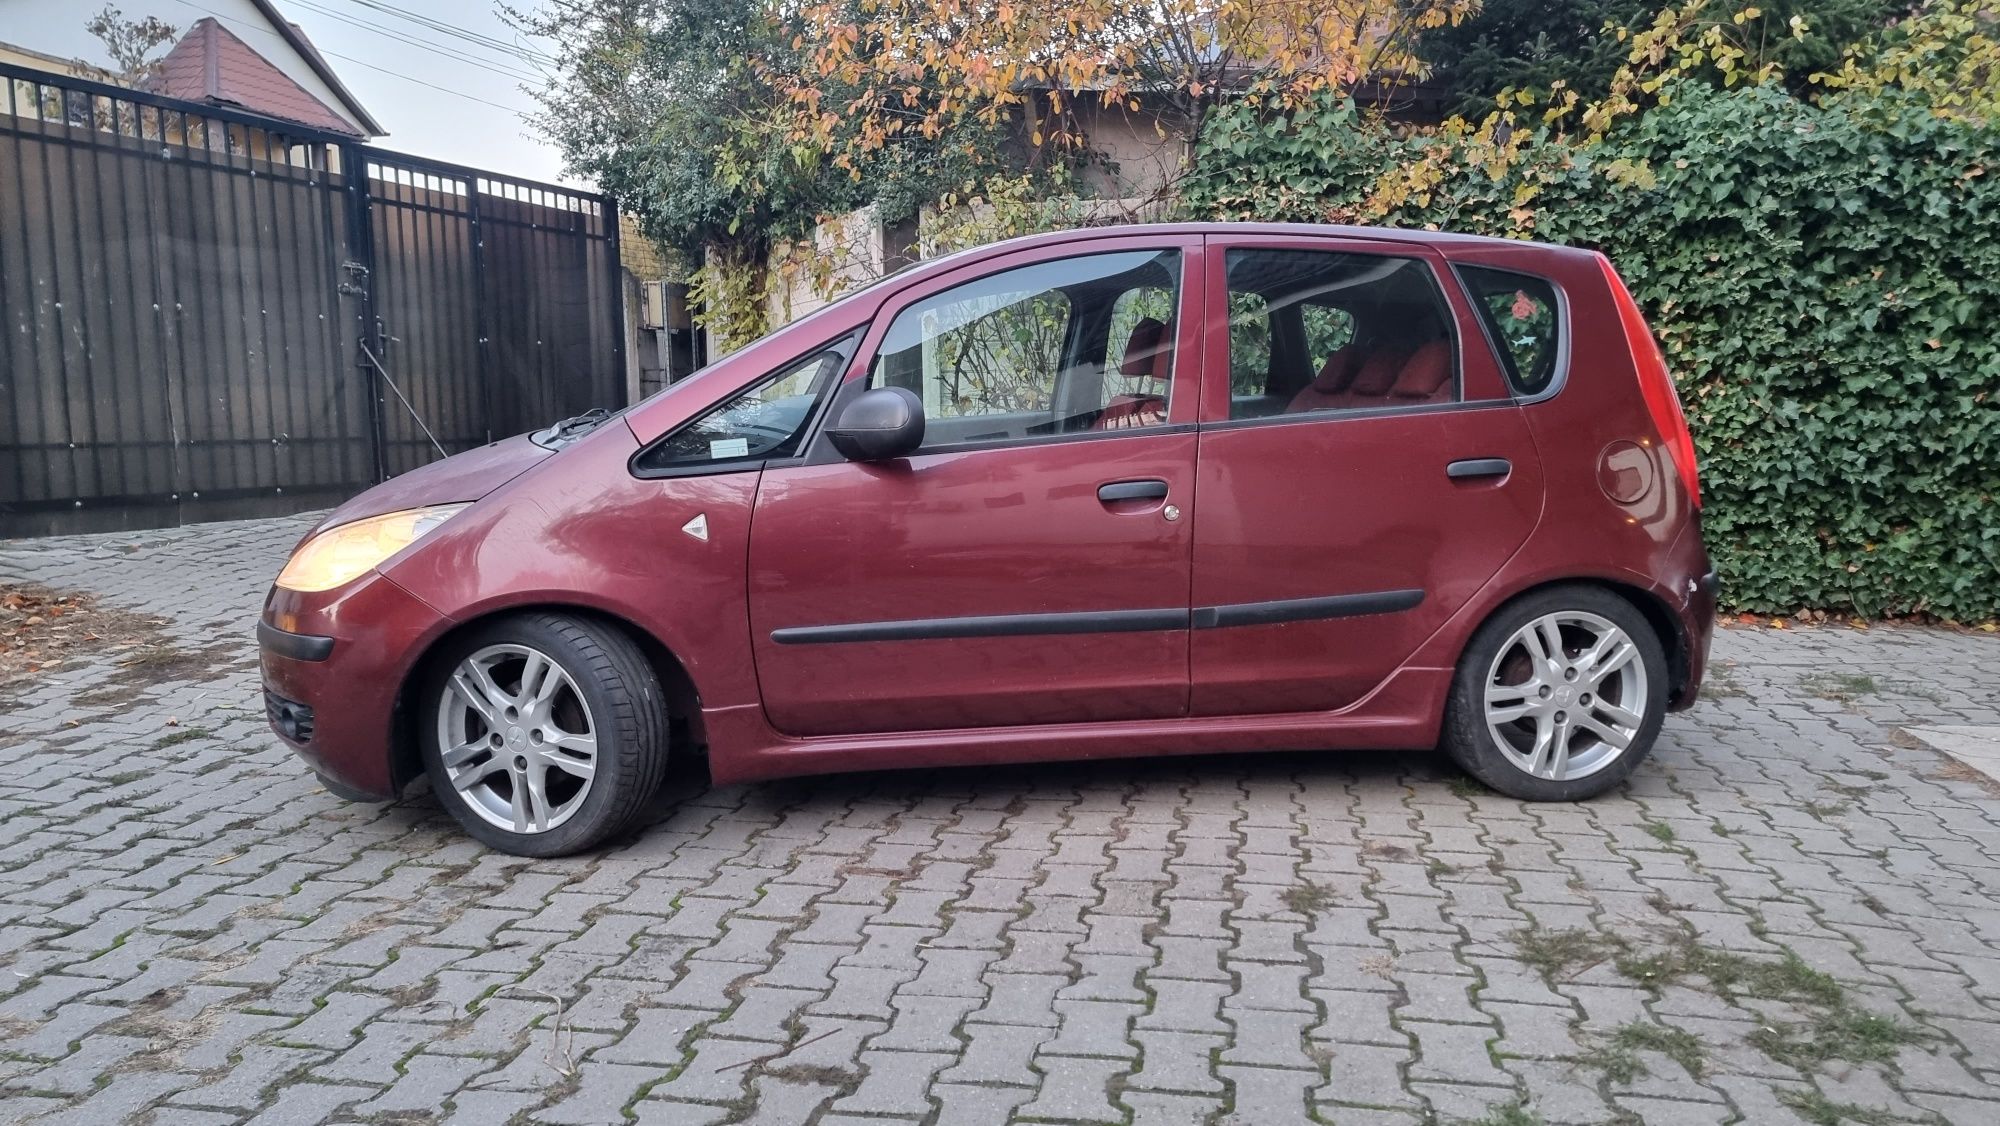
pixel 206 315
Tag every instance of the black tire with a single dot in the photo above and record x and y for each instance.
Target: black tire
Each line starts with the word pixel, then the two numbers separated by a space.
pixel 1466 737
pixel 626 708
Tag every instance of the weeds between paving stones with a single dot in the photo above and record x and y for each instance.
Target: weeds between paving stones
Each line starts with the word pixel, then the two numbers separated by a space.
pixel 1822 1111
pixel 1720 684
pixel 184 735
pixel 1564 953
pixel 1848 687
pixel 1309 898
pixel 1509 1114
pixel 1833 1028
pixel 1845 687
pixel 1846 1034
pixel 1618 1057
pixel 1660 831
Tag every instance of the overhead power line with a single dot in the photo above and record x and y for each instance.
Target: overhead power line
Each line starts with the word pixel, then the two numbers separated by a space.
pixel 446 27
pixel 420 43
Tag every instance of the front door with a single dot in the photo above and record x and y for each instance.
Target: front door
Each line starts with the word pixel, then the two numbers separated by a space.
pixel 1363 471
pixel 1030 563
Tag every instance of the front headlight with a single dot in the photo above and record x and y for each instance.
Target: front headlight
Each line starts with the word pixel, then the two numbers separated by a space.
pixel 343 554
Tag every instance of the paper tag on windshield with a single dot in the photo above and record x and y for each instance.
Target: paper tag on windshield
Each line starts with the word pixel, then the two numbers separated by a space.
pixel 729 447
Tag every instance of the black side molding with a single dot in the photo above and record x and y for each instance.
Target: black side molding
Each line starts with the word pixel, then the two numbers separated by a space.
pixel 295 646
pixel 998 625
pixel 1107 621
pixel 1479 467
pixel 1306 609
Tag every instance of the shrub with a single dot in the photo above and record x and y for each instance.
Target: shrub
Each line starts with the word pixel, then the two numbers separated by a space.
pixel 1824 279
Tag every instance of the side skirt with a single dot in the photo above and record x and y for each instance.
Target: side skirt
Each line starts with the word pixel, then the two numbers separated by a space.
pixel 1403 713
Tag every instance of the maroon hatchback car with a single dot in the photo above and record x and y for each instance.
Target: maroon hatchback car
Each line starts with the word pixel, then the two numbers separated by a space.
pixel 1124 491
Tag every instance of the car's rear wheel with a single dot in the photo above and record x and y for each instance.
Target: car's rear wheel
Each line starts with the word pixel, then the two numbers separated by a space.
pixel 1559 696
pixel 543 734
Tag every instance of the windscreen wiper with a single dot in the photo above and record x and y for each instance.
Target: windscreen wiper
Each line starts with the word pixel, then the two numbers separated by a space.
pixel 570 429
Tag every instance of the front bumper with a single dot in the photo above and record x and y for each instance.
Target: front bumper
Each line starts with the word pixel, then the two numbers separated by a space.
pixel 333 667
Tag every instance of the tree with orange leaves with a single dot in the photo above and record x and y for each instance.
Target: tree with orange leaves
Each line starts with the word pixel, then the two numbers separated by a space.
pixel 875 74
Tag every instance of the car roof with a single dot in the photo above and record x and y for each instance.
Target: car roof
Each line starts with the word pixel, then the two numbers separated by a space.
pixel 1320 230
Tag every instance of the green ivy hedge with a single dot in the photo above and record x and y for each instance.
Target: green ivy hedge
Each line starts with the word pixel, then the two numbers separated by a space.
pixel 1825 281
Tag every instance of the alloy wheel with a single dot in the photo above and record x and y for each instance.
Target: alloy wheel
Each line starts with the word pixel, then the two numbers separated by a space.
pixel 517 739
pixel 1566 695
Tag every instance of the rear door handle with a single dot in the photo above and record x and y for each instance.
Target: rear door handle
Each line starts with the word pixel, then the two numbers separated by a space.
pixel 1132 490
pixel 1478 467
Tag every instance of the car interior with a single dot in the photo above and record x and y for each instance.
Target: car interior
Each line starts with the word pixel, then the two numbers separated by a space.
pixel 1318 331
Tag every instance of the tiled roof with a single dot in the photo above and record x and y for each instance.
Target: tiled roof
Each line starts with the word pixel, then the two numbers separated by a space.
pixel 210 64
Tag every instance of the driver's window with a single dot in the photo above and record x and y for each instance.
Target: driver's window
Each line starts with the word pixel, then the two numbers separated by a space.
pixel 1055 348
pixel 766 421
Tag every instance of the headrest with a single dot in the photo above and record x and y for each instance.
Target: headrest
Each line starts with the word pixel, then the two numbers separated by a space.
pixel 1427 369
pixel 1377 375
pixel 1147 348
pixel 1336 373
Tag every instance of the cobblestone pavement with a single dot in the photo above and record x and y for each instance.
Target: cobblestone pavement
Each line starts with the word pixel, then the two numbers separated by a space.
pixel 1789 915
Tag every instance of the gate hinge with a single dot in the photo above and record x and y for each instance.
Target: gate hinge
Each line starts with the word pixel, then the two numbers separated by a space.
pixel 356 287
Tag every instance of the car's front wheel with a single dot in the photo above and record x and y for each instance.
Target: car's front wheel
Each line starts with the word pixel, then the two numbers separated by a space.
pixel 1559 695
pixel 543 733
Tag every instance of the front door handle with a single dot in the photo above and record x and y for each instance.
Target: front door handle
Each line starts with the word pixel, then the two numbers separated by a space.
pixel 1132 490
pixel 1478 467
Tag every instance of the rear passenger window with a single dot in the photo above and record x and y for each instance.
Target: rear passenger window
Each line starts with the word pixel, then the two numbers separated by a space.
pixel 1521 313
pixel 1329 328
pixel 1318 330
pixel 1249 344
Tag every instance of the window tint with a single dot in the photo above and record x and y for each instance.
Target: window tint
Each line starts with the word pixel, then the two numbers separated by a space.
pixel 1521 313
pixel 1054 348
pixel 1335 331
pixel 1328 328
pixel 1249 343
pixel 767 421
pixel 1138 317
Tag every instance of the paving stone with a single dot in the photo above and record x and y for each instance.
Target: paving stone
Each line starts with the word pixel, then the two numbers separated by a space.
pixel 196 932
pixel 894 1083
pixel 1074 1089
pixel 602 1091
pixel 978 1105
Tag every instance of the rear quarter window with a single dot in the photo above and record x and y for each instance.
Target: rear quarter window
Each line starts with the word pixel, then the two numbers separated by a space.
pixel 1524 319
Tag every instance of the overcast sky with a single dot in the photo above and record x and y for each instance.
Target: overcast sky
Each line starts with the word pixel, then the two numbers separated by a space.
pixel 475 119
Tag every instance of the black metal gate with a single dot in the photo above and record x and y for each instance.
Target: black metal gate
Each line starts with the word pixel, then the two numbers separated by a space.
pixel 207 315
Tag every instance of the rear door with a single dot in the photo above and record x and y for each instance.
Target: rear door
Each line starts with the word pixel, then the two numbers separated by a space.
pixel 1362 470
pixel 1028 565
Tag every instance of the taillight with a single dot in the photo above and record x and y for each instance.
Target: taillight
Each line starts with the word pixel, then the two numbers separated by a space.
pixel 1656 384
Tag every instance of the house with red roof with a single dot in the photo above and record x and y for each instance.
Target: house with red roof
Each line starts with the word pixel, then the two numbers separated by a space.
pixel 246 57
pixel 213 65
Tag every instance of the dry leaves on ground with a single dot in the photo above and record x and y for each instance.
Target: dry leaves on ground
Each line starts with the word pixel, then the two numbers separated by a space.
pixel 41 628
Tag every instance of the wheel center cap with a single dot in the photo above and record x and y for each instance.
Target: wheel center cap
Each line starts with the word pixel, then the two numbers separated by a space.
pixel 1565 696
pixel 516 736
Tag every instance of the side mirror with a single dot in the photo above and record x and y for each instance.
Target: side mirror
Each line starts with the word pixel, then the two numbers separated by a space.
pixel 885 423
